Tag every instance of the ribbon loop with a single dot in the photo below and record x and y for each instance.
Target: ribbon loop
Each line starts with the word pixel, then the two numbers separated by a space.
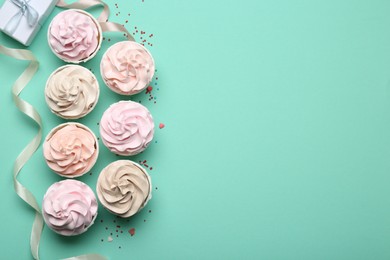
pixel 25 9
pixel 86 4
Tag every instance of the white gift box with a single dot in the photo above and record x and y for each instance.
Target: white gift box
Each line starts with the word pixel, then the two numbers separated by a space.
pixel 22 19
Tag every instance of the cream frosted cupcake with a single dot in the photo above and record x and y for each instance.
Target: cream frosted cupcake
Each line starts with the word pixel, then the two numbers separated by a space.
pixel 127 68
pixel 126 128
pixel 71 91
pixel 69 207
pixel 71 150
pixel 74 36
pixel 124 188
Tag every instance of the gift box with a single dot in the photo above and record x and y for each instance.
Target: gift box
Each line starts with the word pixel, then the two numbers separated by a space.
pixel 22 19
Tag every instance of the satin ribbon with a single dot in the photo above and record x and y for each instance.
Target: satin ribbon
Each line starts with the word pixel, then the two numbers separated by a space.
pixel 87 257
pixel 24 9
pixel 103 17
pixel 30 149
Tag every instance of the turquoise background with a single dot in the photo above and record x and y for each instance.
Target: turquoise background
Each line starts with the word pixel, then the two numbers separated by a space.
pixel 276 144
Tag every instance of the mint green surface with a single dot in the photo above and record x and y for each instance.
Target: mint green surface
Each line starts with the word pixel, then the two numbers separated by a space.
pixel 277 137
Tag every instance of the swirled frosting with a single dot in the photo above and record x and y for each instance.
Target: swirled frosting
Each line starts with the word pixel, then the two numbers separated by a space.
pixel 69 207
pixel 127 128
pixel 124 188
pixel 70 149
pixel 127 67
pixel 72 92
pixel 73 35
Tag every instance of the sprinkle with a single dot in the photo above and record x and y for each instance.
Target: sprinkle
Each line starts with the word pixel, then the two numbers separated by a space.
pixel 109 239
pixel 161 125
pixel 132 231
pixel 149 90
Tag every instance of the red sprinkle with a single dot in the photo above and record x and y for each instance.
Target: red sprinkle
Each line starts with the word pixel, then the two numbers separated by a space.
pixel 161 126
pixel 149 90
pixel 132 231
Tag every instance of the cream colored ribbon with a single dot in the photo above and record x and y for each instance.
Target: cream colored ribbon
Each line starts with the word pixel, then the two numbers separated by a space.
pixel 30 149
pixel 102 19
pixel 87 257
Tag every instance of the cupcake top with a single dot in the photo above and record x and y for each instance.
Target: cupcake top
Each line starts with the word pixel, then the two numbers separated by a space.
pixel 126 128
pixel 127 68
pixel 70 150
pixel 69 207
pixel 124 188
pixel 74 36
pixel 72 91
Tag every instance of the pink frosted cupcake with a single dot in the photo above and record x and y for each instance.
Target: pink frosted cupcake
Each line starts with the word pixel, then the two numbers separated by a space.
pixel 71 150
pixel 69 207
pixel 127 68
pixel 127 128
pixel 124 188
pixel 74 36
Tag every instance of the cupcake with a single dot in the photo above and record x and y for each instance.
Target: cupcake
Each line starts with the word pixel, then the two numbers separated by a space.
pixel 126 128
pixel 74 36
pixel 127 68
pixel 70 150
pixel 124 188
pixel 69 207
pixel 71 91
